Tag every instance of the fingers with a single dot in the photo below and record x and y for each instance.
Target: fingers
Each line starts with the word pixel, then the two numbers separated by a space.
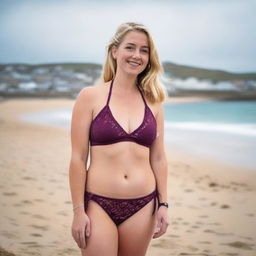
pixel 88 229
pixel 162 226
pixel 82 243
pixel 80 236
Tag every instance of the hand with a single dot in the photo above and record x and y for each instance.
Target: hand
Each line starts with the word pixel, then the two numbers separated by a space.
pixel 162 221
pixel 81 228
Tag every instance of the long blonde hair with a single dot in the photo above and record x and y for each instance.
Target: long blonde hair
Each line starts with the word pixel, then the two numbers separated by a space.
pixel 147 80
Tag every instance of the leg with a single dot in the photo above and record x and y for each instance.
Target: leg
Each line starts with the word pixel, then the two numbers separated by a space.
pixel 136 232
pixel 104 236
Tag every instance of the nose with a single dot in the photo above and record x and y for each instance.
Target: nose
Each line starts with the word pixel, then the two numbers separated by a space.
pixel 136 53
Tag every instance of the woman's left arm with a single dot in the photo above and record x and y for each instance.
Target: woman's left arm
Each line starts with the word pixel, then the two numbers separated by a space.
pixel 158 161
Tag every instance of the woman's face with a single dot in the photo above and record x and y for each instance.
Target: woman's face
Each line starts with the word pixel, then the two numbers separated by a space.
pixel 132 55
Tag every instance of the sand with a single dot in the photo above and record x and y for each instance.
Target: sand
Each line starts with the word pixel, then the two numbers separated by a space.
pixel 213 209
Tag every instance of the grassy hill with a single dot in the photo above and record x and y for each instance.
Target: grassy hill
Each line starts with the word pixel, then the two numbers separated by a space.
pixel 183 72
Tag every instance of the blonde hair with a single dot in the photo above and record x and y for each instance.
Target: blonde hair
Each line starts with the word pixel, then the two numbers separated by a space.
pixel 147 80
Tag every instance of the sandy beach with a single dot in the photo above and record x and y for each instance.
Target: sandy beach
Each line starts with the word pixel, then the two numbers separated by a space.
pixel 213 209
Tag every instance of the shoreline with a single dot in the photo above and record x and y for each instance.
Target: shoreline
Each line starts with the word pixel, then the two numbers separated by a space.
pixel 212 204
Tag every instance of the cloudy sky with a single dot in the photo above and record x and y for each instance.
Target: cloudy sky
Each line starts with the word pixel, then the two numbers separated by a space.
pixel 216 34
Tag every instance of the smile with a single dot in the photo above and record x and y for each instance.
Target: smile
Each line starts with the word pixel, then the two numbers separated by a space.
pixel 135 64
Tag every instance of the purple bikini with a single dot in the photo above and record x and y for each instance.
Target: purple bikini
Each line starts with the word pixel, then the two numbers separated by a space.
pixel 105 130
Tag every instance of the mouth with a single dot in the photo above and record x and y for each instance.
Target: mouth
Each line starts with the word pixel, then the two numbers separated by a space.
pixel 134 64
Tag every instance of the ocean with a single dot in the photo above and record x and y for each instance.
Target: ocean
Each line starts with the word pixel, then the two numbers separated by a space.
pixel 221 130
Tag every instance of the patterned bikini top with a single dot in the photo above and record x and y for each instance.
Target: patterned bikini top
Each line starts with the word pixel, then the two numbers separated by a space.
pixel 105 129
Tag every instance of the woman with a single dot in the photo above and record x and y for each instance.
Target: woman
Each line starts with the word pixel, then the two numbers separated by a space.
pixel 121 121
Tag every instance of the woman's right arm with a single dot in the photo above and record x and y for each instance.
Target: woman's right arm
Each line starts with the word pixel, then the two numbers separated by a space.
pixel 80 125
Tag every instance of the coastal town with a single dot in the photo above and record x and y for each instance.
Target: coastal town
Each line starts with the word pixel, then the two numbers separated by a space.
pixel 66 80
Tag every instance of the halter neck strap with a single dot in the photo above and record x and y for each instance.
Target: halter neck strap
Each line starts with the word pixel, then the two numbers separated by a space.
pixel 110 92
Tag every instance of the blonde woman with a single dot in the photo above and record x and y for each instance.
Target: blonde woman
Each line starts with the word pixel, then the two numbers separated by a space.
pixel 120 201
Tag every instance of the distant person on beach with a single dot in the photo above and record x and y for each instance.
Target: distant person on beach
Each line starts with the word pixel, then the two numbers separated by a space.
pixel 120 202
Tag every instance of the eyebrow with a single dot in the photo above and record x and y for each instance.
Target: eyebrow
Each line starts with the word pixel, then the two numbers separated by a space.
pixel 142 46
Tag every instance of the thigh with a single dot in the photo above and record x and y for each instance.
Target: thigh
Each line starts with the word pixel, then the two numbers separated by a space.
pixel 103 239
pixel 136 232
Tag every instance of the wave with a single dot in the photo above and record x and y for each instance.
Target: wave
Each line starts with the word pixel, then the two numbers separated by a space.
pixel 248 129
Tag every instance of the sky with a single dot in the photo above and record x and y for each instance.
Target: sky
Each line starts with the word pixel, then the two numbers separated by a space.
pixel 215 34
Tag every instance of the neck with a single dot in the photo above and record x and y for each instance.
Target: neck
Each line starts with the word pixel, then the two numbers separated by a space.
pixel 125 83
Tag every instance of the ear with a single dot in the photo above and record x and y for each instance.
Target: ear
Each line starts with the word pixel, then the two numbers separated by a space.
pixel 113 51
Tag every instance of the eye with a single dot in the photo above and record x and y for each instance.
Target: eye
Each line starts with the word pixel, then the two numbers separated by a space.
pixel 146 51
pixel 128 47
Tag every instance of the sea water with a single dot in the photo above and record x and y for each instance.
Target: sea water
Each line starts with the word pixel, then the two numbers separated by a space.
pixel 221 130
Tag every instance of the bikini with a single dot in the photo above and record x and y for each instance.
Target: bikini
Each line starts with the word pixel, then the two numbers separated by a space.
pixel 105 130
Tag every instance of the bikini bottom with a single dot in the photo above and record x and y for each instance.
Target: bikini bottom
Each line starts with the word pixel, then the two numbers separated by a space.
pixel 120 210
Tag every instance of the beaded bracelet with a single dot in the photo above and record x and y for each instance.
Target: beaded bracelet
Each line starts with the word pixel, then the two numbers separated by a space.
pixel 78 206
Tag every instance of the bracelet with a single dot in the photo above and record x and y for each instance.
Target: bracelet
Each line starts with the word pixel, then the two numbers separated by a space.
pixel 78 206
pixel 163 204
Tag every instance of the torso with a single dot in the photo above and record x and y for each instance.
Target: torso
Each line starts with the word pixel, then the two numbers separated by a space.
pixel 122 169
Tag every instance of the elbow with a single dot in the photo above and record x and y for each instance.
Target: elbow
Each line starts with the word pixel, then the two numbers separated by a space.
pixel 159 162
pixel 77 163
pixel 159 157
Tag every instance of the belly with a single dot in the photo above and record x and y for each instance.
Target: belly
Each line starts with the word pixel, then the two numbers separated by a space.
pixel 120 170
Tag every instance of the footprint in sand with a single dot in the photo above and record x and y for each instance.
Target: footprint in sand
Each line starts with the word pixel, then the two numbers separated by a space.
pixel 250 214
pixel 224 206
pixel 27 202
pixel 189 231
pixel 17 205
pixel 215 224
pixel 43 228
pixel 246 237
pixel 188 190
pixel 39 200
pixel 32 244
pixel 63 213
pixel 203 216
pixel 68 251
pixel 229 254
pixel 204 242
pixel 9 194
pixel 38 216
pixel 28 243
pixel 28 178
pixel 174 236
pixel 36 234
pixel 164 244
pixel 240 245
pixel 195 226
pixel 209 231
pixel 213 184
pixel 24 213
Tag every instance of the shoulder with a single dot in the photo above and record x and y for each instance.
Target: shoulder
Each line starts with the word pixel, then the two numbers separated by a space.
pixel 87 93
pixel 91 95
